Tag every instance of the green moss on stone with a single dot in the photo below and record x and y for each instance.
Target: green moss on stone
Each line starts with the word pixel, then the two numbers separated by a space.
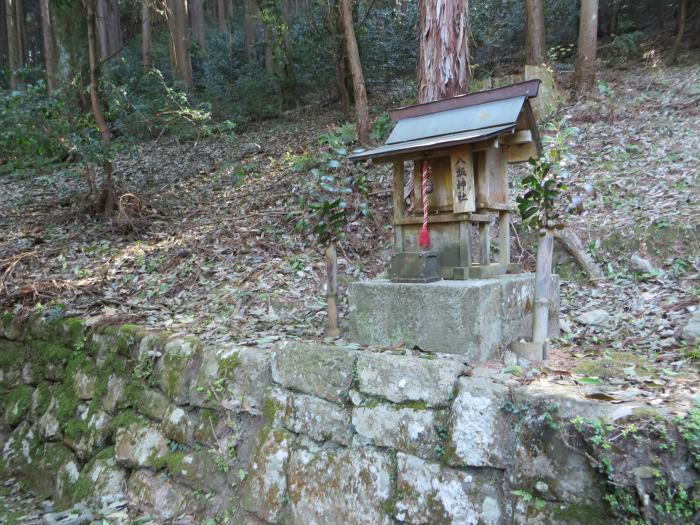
pixel 271 407
pixel 82 490
pixel 228 365
pixel 416 405
pixel 171 462
pixel 42 399
pixel 11 353
pixel 73 331
pixel 19 401
pixel 133 393
pixel 127 337
pixel 50 352
pixel 126 418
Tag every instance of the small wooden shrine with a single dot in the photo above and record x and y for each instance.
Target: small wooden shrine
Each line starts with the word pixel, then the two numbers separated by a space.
pixel 456 152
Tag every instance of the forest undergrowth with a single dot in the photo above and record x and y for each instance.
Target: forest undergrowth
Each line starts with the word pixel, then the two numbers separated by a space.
pixel 207 241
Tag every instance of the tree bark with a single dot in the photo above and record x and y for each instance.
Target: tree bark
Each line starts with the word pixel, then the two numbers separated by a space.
pixel 680 31
pixel 50 52
pixel 108 27
pixel 587 46
pixel 146 40
pixel 21 34
pixel 107 200
pixel 3 35
pixel 221 15
pixel 358 79
pixel 443 62
pixel 534 29
pixel 179 41
pixel 198 27
pixel 12 48
pixel 250 23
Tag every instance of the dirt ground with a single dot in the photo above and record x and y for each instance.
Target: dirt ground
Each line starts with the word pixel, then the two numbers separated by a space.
pixel 209 244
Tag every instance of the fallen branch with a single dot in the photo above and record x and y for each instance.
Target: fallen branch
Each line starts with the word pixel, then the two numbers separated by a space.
pixel 574 246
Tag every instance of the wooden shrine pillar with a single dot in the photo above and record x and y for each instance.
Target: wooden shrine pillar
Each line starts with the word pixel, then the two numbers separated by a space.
pixel 504 237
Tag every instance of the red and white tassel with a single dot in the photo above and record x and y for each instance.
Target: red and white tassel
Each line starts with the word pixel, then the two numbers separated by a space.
pixel 424 234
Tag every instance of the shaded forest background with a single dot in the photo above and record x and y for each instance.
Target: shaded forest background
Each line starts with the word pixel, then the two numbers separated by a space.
pixel 222 63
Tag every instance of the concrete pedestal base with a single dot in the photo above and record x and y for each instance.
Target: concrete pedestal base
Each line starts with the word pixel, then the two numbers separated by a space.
pixel 473 318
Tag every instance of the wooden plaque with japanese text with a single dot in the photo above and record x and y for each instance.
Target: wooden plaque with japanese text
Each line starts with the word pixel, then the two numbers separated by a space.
pixel 463 200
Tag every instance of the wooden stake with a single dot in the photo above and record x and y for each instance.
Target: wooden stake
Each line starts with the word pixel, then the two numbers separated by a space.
pixel 333 327
pixel 543 284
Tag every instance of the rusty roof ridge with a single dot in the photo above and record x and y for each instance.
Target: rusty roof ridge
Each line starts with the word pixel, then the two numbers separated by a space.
pixel 527 88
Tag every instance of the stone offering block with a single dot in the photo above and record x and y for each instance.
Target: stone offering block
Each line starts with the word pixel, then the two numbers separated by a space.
pixel 472 318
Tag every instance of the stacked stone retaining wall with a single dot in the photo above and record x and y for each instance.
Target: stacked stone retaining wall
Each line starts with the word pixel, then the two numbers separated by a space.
pixel 299 434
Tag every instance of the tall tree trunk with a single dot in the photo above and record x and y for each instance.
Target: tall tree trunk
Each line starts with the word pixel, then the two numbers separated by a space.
pixel 250 23
pixel 107 199
pixel 109 28
pixel 680 31
pixel 3 35
pixel 221 15
pixel 443 63
pixel 50 52
pixel 534 29
pixel 198 27
pixel 343 92
pixel 179 41
pixel 12 50
pixel 21 34
pixel 587 46
pixel 358 79
pixel 614 16
pixel 146 40
pixel 269 52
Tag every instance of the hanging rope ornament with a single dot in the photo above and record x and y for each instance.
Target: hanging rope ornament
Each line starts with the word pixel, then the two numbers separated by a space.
pixel 424 235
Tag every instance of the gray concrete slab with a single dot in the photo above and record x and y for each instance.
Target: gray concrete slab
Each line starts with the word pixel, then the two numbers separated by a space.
pixel 473 318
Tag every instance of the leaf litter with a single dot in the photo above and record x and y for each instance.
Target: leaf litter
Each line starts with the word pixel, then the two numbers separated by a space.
pixel 216 251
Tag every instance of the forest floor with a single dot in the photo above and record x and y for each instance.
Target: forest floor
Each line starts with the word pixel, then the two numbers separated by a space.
pixel 210 247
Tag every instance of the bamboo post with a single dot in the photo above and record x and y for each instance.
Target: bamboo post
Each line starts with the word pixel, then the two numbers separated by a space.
pixel 333 327
pixel 504 237
pixel 543 284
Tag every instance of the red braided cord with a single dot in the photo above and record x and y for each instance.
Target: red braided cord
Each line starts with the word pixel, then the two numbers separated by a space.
pixel 423 234
pixel 425 194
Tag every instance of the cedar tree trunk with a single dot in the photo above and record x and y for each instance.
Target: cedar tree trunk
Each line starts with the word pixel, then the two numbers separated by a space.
pixel 107 200
pixel 221 15
pixel 680 31
pixel 197 19
pixel 250 23
pixel 108 27
pixel 50 52
pixel 443 61
pixel 179 41
pixel 534 29
pixel 587 46
pixel 12 47
pixel 146 41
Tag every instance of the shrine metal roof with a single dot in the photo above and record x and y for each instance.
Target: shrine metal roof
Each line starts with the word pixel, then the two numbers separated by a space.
pixel 458 120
